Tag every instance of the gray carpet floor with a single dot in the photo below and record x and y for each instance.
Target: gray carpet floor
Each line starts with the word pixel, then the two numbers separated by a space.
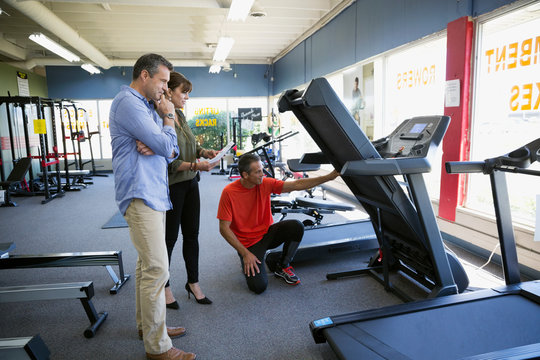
pixel 238 325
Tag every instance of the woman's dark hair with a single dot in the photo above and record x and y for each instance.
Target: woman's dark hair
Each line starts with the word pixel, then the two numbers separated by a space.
pixel 150 63
pixel 244 164
pixel 177 80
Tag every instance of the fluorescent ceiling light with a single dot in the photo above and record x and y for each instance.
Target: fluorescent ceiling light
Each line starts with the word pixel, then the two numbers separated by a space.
pixel 239 10
pixel 54 47
pixel 223 48
pixel 214 69
pixel 91 68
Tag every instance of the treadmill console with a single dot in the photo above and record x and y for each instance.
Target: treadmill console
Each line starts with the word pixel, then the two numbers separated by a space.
pixel 412 138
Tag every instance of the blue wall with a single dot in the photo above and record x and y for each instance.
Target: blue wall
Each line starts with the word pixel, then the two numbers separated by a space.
pixel 291 68
pixel 333 48
pixel 72 82
pixel 368 28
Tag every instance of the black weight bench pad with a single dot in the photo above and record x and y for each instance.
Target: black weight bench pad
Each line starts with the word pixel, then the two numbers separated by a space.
pixel 323 204
pixel 18 173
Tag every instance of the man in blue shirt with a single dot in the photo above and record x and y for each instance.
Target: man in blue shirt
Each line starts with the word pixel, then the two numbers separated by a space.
pixel 143 143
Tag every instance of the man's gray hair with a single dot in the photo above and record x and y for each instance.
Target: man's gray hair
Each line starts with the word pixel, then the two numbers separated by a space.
pixel 244 164
pixel 150 63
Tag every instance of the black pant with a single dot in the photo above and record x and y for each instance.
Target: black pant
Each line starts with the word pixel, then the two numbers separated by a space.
pixel 185 213
pixel 286 232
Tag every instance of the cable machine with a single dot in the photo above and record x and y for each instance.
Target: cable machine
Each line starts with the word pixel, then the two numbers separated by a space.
pixel 35 185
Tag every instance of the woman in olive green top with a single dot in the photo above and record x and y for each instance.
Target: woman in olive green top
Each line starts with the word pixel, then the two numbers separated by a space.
pixel 184 192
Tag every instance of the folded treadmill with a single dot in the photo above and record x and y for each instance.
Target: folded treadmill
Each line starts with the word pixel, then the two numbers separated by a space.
pixel 402 216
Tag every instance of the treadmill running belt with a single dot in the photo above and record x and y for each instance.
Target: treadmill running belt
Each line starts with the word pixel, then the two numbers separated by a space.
pixel 496 324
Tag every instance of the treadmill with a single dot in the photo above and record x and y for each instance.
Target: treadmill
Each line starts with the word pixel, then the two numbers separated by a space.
pixel 499 323
pixel 402 217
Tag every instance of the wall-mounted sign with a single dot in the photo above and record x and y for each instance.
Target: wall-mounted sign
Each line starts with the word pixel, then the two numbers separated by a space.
pixel 452 93
pixel 22 84
pixel 210 120
pixel 40 126
pixel 414 83
pixel 206 122
pixel 253 114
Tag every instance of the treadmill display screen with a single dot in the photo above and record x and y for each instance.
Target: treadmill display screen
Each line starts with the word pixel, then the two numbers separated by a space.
pixel 418 128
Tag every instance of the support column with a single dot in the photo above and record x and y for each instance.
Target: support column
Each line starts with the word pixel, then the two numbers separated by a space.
pixel 456 144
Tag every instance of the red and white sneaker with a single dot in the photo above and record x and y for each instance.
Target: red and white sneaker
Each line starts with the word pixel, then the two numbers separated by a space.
pixel 288 275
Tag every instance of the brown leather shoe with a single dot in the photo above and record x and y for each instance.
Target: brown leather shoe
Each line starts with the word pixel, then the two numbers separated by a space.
pixel 173 332
pixel 172 354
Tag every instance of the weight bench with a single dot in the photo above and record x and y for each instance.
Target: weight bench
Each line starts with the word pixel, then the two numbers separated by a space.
pixel 233 172
pixel 97 258
pixel 79 290
pixel 32 348
pixel 308 206
pixel 77 177
pixel 15 176
pixel 322 239
pixel 71 173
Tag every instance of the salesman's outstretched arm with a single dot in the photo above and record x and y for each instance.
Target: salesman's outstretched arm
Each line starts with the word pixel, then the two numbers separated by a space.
pixel 308 183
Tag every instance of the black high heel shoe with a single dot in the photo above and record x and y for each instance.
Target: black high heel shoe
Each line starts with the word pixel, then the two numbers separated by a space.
pixel 203 301
pixel 174 305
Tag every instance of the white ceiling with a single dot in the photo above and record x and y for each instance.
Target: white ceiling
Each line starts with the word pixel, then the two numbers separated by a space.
pixel 116 33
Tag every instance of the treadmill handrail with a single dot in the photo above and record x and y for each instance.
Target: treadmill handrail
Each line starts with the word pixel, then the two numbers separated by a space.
pixel 515 161
pixel 314 158
pixel 382 167
pixel 461 167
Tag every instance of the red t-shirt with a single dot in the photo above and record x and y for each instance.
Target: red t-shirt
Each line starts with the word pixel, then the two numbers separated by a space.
pixel 248 210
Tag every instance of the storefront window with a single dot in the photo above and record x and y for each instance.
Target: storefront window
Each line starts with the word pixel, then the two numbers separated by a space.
pixel 258 110
pixel 104 107
pixel 507 105
pixel 414 86
pixel 297 145
pixel 89 123
pixel 358 96
pixel 208 119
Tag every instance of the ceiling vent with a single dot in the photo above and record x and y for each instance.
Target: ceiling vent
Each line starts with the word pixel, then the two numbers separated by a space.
pixel 257 14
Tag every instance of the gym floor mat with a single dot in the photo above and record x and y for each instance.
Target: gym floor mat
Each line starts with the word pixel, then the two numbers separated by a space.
pixel 116 221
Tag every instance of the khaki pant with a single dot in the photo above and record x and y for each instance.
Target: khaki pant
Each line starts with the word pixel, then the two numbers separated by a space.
pixel 147 232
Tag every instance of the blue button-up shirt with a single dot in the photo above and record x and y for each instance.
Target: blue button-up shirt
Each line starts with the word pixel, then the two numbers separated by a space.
pixel 138 176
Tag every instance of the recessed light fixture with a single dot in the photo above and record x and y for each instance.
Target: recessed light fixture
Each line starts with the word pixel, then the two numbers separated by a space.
pixel 54 47
pixel 214 69
pixel 223 48
pixel 239 10
pixel 91 69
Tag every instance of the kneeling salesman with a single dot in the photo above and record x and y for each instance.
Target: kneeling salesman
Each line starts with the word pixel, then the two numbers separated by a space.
pixel 245 221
